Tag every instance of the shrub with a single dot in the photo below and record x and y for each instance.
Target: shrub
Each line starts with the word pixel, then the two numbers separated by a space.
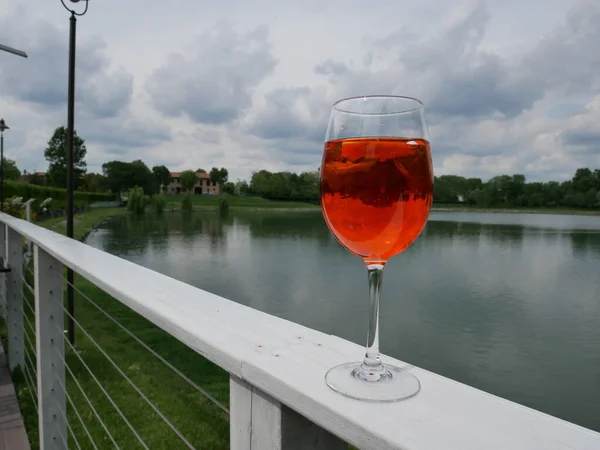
pixel 136 200
pixel 186 203
pixel 59 196
pixel 223 206
pixel 159 203
pixel 14 210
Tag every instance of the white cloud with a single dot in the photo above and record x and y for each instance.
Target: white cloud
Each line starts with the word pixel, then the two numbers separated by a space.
pixel 508 87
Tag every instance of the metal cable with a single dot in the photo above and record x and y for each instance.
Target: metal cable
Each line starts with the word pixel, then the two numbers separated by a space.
pixel 30 309
pixel 28 322
pixel 27 285
pixel 85 395
pixel 33 366
pixel 157 355
pixel 104 392
pixel 131 383
pixel 63 439
pixel 77 413
pixel 32 391
pixel 26 266
pixel 32 347
pixel 69 429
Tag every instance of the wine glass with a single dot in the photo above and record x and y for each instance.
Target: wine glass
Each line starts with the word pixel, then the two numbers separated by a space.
pixel 376 193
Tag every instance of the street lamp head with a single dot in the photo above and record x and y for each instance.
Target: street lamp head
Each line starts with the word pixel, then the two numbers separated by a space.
pixel 3 126
pixel 76 1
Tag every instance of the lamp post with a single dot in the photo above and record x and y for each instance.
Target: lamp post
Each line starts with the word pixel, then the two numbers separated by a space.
pixel 3 127
pixel 14 51
pixel 70 132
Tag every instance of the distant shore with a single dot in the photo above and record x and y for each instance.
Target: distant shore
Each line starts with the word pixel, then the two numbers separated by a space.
pixel 565 211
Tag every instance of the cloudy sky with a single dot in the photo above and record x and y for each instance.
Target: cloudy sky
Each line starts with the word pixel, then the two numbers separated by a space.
pixel 509 86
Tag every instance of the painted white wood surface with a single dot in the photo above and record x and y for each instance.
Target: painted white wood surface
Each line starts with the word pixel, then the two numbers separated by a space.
pixel 240 414
pixel 14 301
pixel 50 350
pixel 288 362
pixel 258 421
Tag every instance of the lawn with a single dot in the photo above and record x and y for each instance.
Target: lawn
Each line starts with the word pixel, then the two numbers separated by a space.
pixel 209 202
pixel 202 423
pixel 521 210
pixel 83 222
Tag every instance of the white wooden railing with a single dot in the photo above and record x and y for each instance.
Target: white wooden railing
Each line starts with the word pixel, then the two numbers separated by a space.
pixel 278 397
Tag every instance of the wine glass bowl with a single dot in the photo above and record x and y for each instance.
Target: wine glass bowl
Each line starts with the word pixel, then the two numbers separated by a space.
pixel 376 191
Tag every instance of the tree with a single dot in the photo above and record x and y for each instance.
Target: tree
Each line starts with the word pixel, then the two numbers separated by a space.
pixel 36 179
pixel 219 176
pixel 94 182
pixel 229 188
pixel 200 171
pixel 242 187
pixel 56 155
pixel 583 180
pixel 286 185
pixel 162 175
pixel 11 171
pixel 188 179
pixel 122 176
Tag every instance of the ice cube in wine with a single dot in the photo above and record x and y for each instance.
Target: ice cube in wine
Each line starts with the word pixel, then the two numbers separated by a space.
pixel 376 193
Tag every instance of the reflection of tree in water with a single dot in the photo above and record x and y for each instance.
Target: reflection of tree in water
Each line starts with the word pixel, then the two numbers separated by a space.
pixel 583 243
pixel 508 235
pixel 203 225
pixel 472 231
pixel 159 233
pixel 133 234
pixel 442 229
pixel 289 224
pixel 130 234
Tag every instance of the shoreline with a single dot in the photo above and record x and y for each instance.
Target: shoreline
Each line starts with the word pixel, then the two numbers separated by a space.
pixel 564 212
pixel 557 211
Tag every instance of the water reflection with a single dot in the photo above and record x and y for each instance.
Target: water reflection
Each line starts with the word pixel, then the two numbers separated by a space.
pixel 512 308
pixel 585 244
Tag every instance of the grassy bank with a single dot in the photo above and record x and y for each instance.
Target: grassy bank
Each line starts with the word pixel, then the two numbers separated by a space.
pixel 83 223
pixel 202 423
pixel 517 210
pixel 209 202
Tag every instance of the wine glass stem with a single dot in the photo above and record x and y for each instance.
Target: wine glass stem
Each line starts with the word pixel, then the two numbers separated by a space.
pixel 372 362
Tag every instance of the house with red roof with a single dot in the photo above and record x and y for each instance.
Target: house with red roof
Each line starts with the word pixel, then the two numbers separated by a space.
pixel 203 185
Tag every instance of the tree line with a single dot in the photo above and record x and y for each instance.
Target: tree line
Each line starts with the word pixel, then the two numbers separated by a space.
pixel 117 176
pixel 504 191
pixel 507 191
pixel 510 191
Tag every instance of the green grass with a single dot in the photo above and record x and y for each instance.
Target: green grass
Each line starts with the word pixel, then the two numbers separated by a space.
pixel 522 210
pixel 209 202
pixel 202 423
pixel 83 222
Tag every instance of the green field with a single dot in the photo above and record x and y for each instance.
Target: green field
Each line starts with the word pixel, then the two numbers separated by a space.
pixel 209 202
pixel 521 210
pixel 84 222
pixel 201 422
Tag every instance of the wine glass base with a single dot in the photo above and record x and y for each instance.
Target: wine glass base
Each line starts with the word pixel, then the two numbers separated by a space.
pixel 394 385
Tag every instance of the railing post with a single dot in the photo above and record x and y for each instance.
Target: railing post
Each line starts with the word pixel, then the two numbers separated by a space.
pixel 50 347
pixel 14 300
pixel 3 306
pixel 257 422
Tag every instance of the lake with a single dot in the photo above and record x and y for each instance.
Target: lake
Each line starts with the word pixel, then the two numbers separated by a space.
pixel 507 303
